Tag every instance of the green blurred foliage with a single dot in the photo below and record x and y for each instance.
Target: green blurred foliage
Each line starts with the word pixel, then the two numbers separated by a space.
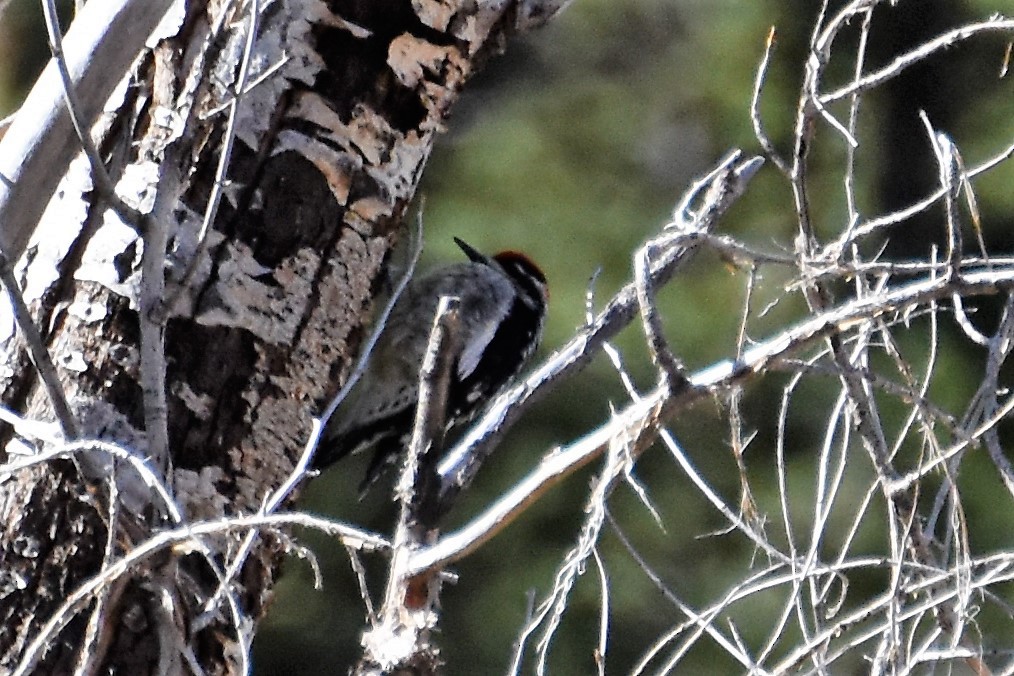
pixel 574 146
pixel 23 47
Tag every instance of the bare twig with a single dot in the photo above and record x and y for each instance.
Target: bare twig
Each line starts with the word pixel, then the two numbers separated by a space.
pixel 151 478
pixel 103 182
pixel 917 55
pixel 167 306
pixel 1000 346
pixel 359 571
pixel 639 420
pixel 299 472
pixel 551 610
pixel 950 180
pixel 38 352
pixel 78 599
pixel 603 645
pixel 704 623
pixel 153 481
pixel 407 614
pixel 88 660
pixel 716 192
pixel 755 115
pixel 151 346
pixel 415 250
pixel 669 365
pixel 900 216
pixel 418 489
pixel 854 103
pixel 737 439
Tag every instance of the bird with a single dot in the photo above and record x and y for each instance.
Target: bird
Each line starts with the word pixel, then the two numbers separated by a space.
pixel 503 301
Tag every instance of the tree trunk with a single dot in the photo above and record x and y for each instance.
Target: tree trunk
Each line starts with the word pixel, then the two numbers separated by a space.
pixel 259 317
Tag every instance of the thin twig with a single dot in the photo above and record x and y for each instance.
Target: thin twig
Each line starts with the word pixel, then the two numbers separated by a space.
pixel 407 613
pixel 103 182
pixel 671 596
pixel 318 425
pixel 853 122
pixel 950 180
pixel 755 115
pixel 153 365
pixel 90 657
pixel 38 352
pixel 418 489
pixel 359 570
pixel 415 250
pixel 918 55
pixel 716 193
pixel 574 563
pixel 641 417
pixel 603 645
pixel 160 542
pixel 152 480
pixel 669 365
pixel 168 306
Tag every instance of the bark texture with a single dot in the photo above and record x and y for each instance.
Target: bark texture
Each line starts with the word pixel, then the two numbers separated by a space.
pixel 265 311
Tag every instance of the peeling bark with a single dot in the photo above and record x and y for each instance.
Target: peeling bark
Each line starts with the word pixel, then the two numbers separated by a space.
pixel 263 314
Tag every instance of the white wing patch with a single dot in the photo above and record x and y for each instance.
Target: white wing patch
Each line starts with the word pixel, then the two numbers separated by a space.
pixel 476 345
pixel 487 300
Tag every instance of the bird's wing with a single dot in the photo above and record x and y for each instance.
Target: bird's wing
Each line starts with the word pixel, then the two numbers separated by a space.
pixel 490 316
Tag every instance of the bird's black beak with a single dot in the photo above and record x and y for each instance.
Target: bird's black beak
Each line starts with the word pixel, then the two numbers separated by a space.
pixel 472 254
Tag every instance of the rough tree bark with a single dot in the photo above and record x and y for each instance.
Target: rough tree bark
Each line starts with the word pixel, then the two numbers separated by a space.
pixel 263 313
